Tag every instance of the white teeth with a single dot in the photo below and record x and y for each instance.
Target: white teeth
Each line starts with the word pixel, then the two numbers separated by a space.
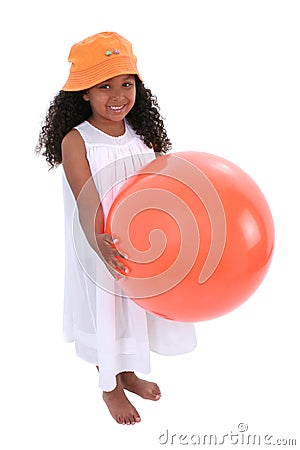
pixel 116 108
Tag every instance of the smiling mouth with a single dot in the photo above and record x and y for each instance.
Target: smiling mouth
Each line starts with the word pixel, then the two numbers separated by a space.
pixel 116 108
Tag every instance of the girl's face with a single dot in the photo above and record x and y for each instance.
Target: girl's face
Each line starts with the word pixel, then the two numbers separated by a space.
pixel 111 101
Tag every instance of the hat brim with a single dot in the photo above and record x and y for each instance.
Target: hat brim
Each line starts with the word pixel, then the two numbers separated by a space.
pixel 84 79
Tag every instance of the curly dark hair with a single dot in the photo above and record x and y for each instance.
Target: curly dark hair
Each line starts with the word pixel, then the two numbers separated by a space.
pixel 69 109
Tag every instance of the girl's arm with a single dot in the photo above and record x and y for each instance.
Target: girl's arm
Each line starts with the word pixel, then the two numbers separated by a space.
pixel 78 174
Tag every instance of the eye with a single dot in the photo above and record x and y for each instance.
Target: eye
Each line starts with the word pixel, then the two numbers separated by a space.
pixel 104 86
pixel 128 84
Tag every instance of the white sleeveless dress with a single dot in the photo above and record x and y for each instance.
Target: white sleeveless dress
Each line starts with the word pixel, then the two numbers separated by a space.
pixel 108 328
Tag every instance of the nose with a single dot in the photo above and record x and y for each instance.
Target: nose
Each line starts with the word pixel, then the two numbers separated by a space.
pixel 117 93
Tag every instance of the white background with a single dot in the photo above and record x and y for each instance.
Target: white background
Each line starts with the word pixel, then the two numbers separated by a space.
pixel 226 74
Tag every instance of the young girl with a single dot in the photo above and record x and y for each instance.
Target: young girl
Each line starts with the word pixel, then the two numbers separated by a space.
pixel 103 126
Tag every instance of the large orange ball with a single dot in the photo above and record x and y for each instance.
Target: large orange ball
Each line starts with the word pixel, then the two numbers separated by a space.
pixel 199 235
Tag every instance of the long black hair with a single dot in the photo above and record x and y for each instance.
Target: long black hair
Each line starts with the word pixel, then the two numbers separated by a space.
pixel 69 109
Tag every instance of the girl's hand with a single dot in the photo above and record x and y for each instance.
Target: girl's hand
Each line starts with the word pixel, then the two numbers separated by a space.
pixel 109 254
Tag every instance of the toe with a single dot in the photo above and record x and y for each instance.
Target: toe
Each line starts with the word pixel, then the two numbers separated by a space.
pixel 156 396
pixel 133 420
pixel 136 418
pixel 156 390
pixel 119 419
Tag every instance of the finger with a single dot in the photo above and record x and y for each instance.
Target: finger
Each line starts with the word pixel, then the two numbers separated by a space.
pixel 118 253
pixel 114 252
pixel 119 266
pixel 113 241
pixel 110 254
pixel 123 255
pixel 109 238
pixel 115 273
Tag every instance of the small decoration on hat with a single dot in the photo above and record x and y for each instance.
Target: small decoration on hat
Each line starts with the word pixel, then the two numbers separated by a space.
pixel 114 52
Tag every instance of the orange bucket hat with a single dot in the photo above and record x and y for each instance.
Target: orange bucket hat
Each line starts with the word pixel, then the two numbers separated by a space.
pixel 98 58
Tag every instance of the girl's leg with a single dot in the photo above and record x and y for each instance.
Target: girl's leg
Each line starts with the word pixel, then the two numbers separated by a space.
pixel 119 406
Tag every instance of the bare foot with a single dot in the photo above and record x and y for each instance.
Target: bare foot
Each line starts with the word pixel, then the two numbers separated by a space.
pixel 120 407
pixel 143 388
